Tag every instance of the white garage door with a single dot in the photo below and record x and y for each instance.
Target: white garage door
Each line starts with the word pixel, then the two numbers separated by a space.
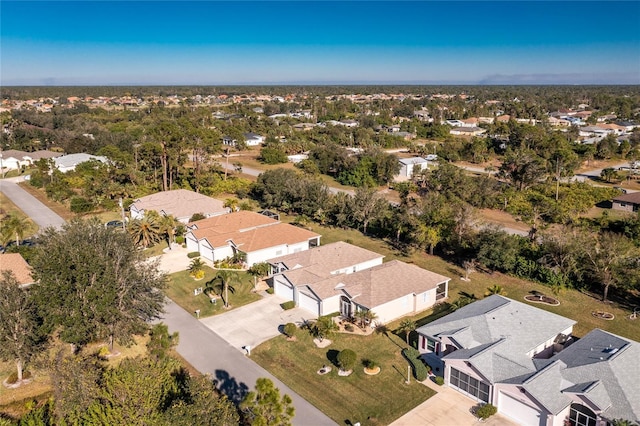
pixel 308 303
pixel 283 290
pixel 519 411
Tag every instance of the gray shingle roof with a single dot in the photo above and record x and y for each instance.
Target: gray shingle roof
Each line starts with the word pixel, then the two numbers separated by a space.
pixel 521 327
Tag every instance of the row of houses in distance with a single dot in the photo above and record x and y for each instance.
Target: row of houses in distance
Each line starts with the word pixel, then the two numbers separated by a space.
pixel 15 160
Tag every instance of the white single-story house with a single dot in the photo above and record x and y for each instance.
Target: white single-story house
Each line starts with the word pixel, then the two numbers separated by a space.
pixel 408 166
pixel 67 163
pixel 13 159
pixel 180 203
pixel 252 139
pixel 525 361
pixel 467 131
pixel 354 279
pixel 256 237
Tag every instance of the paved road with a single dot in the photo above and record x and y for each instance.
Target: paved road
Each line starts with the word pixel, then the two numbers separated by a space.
pixel 42 215
pixel 234 373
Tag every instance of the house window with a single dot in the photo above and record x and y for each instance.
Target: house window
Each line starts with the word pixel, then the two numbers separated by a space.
pixel 469 385
pixel 431 345
pixel 582 416
pixel 279 252
pixel 425 297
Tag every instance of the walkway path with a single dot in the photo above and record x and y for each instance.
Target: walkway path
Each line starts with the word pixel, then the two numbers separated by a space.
pixel 42 215
pixel 234 373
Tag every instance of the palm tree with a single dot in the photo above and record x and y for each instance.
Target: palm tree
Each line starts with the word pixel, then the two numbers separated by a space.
pixel 167 227
pixel 196 268
pixel 324 327
pixel 231 203
pixel 407 326
pixel 495 289
pixel 225 280
pixel 145 231
pixel 13 226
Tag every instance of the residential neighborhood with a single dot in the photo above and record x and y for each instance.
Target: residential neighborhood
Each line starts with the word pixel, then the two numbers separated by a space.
pixel 477 257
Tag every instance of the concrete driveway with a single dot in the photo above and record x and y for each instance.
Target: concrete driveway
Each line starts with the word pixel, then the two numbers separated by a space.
pixel 447 407
pixel 255 323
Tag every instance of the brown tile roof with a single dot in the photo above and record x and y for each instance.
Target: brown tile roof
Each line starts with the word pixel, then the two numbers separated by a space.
pixel 14 262
pixel 378 285
pixel 180 203
pixel 633 197
pixel 228 224
pixel 263 237
pixel 330 257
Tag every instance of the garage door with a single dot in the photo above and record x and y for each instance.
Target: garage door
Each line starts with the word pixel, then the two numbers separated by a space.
pixel 519 411
pixel 308 303
pixel 283 290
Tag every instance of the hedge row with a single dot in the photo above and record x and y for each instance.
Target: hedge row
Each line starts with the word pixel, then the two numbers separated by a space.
pixel 420 371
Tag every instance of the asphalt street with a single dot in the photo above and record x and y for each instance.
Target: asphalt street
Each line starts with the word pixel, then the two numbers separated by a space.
pixel 38 212
pixel 233 372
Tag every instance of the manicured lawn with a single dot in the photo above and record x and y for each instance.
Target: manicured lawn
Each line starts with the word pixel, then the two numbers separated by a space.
pixel 181 286
pixel 573 304
pixel 370 400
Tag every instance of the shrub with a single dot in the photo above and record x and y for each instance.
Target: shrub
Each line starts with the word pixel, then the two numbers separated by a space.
pixel 180 239
pixel 288 305
pixel 193 254
pixel 369 364
pixel 486 411
pixel 348 327
pixel 290 329
pixel 80 205
pixel 347 359
pixel 439 380
pixel 196 217
pixel 270 290
pixel 419 369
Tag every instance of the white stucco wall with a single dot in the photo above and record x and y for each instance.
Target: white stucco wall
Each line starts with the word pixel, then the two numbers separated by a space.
pixel 425 300
pixel 394 309
pixel 330 305
pixel 192 242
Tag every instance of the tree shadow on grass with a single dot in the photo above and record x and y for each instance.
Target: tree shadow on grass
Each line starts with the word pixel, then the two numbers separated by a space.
pixel 332 356
pixel 230 387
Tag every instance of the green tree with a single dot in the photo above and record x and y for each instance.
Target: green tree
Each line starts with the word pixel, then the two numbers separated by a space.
pixel 323 327
pixel 95 284
pixel 196 268
pixel 13 227
pixel 523 168
pixel 347 359
pixel 202 405
pixel 609 174
pixel 225 281
pixel 145 231
pixel 259 271
pixel 20 336
pixel 612 260
pixel 406 327
pixel 428 236
pixel 160 341
pixel 368 206
pixel 265 407
pixel 167 228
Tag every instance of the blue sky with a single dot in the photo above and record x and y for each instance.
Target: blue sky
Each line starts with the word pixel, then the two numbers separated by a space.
pixel 307 42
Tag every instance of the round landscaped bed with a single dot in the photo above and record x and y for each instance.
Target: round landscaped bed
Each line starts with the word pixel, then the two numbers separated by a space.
pixel 372 372
pixel 603 315
pixel 547 300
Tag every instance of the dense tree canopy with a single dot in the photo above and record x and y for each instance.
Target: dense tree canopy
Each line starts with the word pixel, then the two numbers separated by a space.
pixel 95 284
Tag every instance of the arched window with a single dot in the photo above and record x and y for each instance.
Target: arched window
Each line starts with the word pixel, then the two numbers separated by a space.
pixel 582 416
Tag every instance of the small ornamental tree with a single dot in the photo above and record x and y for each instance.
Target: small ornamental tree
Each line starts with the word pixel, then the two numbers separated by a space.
pixel 347 359
pixel 290 330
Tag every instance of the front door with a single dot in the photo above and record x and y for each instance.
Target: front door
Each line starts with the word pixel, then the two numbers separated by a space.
pixel 345 307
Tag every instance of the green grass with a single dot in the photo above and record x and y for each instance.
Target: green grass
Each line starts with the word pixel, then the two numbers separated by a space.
pixel 370 400
pixel 573 304
pixel 181 286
